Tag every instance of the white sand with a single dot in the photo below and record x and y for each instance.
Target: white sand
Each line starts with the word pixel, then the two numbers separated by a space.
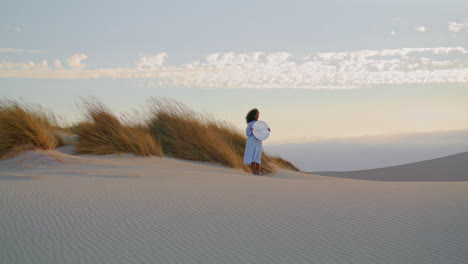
pixel 58 208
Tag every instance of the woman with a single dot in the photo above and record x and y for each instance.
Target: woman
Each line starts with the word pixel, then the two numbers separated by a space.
pixel 253 146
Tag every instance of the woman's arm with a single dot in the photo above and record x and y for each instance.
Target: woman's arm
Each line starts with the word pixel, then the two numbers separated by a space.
pixel 248 130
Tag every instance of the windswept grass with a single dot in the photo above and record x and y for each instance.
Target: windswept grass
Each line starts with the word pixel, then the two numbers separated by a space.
pixel 189 135
pixel 23 127
pixel 282 163
pixel 103 133
pixel 185 134
pixel 167 126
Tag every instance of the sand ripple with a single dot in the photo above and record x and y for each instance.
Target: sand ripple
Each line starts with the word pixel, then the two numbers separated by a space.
pixel 149 210
pixel 62 219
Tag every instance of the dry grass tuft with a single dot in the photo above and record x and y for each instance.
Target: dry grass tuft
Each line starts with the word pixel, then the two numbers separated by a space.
pixel 103 133
pixel 282 163
pixel 22 125
pixel 185 134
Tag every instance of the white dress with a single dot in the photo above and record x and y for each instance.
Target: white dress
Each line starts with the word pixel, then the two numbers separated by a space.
pixel 253 147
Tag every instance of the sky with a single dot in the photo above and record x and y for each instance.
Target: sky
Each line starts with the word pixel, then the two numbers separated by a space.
pixel 316 70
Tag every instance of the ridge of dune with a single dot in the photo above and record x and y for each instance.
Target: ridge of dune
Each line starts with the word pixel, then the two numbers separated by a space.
pixel 38 163
pixel 449 168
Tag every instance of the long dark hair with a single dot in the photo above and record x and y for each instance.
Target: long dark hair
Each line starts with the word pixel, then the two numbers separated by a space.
pixel 251 115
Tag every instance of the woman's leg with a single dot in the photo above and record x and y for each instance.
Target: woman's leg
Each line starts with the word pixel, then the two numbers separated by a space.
pixel 252 167
pixel 257 168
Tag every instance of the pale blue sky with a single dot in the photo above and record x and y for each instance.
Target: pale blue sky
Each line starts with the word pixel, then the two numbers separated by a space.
pixel 115 33
pixel 348 61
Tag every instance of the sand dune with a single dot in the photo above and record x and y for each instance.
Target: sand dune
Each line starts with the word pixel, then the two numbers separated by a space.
pixel 450 168
pixel 123 209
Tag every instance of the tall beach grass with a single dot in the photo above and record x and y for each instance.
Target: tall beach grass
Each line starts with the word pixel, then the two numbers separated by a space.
pixel 103 133
pixel 185 134
pixel 26 127
pixel 166 126
pixel 282 163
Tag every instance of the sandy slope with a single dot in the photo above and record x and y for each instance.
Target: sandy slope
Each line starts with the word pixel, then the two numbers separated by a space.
pixel 450 168
pixel 59 208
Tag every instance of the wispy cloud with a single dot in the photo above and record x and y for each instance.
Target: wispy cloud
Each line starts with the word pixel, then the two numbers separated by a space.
pixel 15 28
pixel 75 61
pixel 151 62
pixel 457 27
pixel 21 50
pixel 259 70
pixel 58 64
pixel 421 29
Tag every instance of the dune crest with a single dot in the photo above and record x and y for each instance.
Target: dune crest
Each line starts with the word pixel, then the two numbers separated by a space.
pixel 450 168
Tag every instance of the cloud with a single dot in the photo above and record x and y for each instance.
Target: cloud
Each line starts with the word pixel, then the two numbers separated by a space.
pixel 259 70
pixel 223 60
pixel 15 28
pixel 75 61
pixel 21 50
pixel 277 59
pixel 421 29
pixel 58 64
pixel 151 62
pixel 457 27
